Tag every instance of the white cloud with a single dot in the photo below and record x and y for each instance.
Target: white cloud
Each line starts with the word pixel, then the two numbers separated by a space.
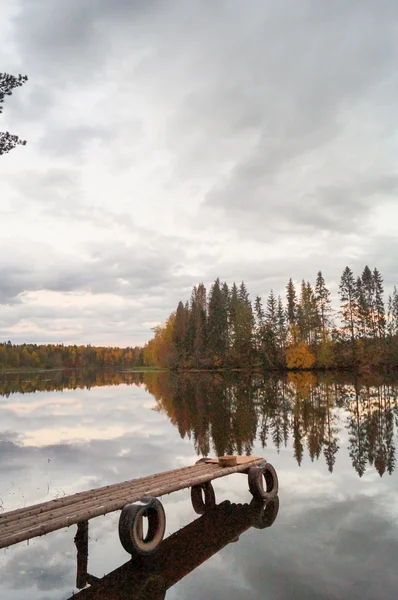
pixel 169 144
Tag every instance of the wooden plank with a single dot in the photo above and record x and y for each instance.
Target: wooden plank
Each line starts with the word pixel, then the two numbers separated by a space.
pixel 240 460
pixel 71 499
pixel 23 524
pixel 53 508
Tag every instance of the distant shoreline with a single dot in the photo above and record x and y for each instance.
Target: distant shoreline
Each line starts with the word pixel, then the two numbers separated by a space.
pixel 254 370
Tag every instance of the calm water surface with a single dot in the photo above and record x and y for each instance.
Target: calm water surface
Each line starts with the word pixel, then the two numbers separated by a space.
pixel 332 441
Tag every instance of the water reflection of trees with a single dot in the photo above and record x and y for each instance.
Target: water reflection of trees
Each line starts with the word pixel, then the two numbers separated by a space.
pixel 225 416
pixel 48 381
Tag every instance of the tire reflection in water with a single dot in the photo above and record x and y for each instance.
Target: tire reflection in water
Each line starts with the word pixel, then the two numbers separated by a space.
pixel 149 577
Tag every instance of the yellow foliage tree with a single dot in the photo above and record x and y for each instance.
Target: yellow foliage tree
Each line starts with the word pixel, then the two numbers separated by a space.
pixel 159 350
pixel 299 356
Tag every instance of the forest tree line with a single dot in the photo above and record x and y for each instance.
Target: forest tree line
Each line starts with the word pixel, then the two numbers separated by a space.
pixel 223 328
pixel 53 356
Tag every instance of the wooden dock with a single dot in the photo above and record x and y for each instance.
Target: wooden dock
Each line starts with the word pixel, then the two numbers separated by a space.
pixel 26 523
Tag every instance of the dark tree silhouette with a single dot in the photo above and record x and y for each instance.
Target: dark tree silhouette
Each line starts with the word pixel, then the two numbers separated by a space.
pixel 8 83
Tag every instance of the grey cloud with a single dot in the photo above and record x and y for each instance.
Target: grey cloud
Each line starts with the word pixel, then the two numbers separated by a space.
pixel 262 212
pixel 144 269
pixel 59 141
pixel 282 113
pixel 46 577
pixel 71 30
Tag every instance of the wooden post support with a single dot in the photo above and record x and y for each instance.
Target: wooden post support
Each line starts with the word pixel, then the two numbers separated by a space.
pixel 81 542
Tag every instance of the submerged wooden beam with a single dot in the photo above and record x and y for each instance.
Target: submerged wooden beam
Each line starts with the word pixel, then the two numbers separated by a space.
pixel 26 523
pixel 81 543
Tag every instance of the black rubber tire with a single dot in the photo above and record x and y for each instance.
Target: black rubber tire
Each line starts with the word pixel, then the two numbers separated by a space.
pixel 256 477
pixel 265 512
pixel 199 505
pixel 131 529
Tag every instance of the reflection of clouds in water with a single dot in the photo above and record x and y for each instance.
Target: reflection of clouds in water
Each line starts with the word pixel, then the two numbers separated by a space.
pixel 40 472
pixel 38 566
pixel 119 439
pixel 44 437
pixel 330 528
pixel 52 405
pixel 78 414
pixel 329 552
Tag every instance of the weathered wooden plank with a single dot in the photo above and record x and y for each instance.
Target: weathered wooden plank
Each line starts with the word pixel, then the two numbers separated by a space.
pixel 60 506
pixel 24 524
pixel 71 499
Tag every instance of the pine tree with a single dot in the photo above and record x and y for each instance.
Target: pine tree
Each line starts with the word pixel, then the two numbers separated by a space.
pixel 291 298
pixel 245 325
pixel 392 317
pixel 348 297
pixel 379 309
pixel 233 319
pixel 324 305
pixel 271 312
pixel 362 310
pixel 217 324
pixel 242 325
pixel 271 322
pixel 180 332
pixel 8 83
pixel 282 326
pixel 196 333
pixel 259 327
pixel 307 314
pixel 226 294
pixel 369 305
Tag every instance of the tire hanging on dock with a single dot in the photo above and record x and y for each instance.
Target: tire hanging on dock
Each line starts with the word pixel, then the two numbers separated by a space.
pixel 257 476
pixel 131 529
pixel 203 497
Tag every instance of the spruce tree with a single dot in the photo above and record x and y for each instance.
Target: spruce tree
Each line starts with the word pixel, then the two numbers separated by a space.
pixel 282 326
pixel 179 333
pixel 324 305
pixel 392 318
pixel 348 298
pixel 271 321
pixel 379 309
pixel 307 314
pixel 233 319
pixel 245 326
pixel 362 310
pixel 226 294
pixel 271 313
pixel 291 298
pixel 259 327
pixel 197 324
pixel 217 323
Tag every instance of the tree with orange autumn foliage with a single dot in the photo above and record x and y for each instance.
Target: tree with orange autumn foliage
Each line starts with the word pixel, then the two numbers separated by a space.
pixel 299 356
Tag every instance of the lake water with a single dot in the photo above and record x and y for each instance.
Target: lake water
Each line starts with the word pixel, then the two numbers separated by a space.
pixel 331 439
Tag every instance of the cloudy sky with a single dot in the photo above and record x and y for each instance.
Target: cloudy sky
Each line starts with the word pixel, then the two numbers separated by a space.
pixel 171 142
